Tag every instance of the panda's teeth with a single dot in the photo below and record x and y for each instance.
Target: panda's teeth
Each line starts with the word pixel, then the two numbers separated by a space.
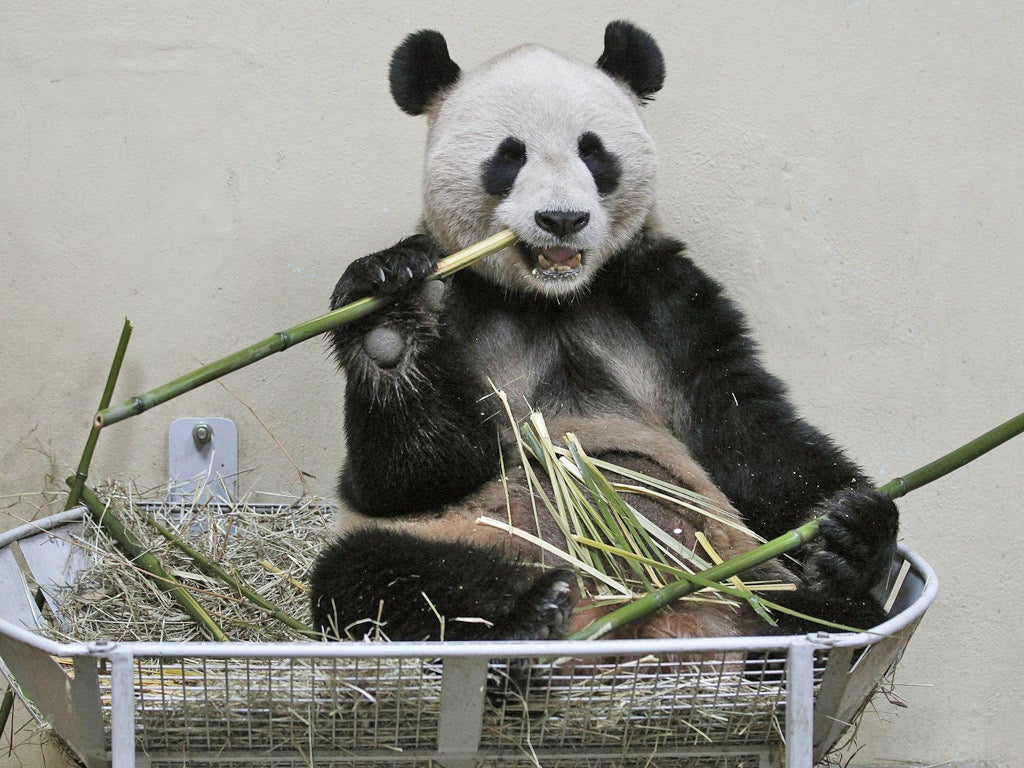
pixel 562 266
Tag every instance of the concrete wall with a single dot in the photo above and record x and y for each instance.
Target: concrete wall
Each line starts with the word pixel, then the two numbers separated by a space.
pixel 853 171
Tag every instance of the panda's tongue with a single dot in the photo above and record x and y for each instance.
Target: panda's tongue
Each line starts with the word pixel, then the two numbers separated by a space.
pixel 558 259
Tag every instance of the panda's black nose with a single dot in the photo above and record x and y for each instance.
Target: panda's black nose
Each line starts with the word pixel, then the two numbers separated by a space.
pixel 561 223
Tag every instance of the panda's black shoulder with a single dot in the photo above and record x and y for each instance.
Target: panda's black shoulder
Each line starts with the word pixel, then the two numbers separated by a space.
pixel 658 263
pixel 656 277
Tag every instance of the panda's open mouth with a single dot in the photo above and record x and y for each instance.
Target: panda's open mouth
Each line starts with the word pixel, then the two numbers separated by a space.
pixel 557 263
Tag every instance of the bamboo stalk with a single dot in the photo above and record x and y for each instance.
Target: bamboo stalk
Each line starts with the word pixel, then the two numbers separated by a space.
pixel 901 486
pixel 790 540
pixel 6 706
pixel 149 563
pixel 78 482
pixel 668 594
pixel 285 339
pixel 210 568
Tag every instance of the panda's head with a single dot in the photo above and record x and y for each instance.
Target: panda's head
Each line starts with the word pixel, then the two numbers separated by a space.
pixel 531 141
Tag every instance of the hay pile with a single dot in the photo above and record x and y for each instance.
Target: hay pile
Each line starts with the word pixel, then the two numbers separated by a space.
pixel 267 547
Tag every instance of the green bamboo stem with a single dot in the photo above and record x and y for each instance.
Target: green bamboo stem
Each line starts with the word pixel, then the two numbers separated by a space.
pixel 285 339
pixel 668 594
pixel 210 568
pixel 6 706
pixel 900 486
pixel 149 563
pixel 790 540
pixel 78 482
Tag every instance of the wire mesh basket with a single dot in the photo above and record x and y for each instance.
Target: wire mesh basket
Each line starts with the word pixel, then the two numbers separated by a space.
pixel 755 701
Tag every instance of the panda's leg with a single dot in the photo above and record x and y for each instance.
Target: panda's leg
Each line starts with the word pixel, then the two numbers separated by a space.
pixel 396 585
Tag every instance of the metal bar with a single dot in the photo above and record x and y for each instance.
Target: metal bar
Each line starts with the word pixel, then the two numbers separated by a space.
pixel 518 649
pixel 551 649
pixel 460 721
pixel 84 689
pixel 43 524
pixel 800 705
pixel 45 682
pixel 357 757
pixel 122 708
pixel 827 725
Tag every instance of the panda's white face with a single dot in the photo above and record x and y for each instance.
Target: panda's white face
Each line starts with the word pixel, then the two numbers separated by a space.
pixel 550 148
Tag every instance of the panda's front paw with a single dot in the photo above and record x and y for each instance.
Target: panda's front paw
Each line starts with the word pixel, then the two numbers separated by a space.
pixel 383 339
pixel 391 272
pixel 855 544
pixel 543 611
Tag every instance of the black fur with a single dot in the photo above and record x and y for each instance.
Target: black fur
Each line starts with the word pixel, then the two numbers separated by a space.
pixel 500 170
pixel 632 56
pixel 602 164
pixel 384 414
pixel 492 597
pixel 420 70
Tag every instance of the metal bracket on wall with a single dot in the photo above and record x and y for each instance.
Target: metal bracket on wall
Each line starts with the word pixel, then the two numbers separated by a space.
pixel 202 460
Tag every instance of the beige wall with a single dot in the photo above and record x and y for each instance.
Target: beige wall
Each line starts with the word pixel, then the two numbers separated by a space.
pixel 853 171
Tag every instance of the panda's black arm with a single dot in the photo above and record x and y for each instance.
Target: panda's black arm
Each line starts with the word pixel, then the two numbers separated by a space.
pixel 413 428
pixel 780 471
pixel 737 420
pixel 421 449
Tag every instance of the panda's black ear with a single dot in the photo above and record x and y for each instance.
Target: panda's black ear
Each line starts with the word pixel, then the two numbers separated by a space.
pixel 632 56
pixel 420 69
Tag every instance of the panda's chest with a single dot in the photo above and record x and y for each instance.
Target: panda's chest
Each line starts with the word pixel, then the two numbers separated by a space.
pixel 580 362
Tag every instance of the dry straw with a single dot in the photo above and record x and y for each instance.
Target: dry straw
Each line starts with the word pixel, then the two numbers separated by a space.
pixel 196 572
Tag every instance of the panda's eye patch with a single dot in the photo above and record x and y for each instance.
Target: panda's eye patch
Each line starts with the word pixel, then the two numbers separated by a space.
pixel 500 169
pixel 602 164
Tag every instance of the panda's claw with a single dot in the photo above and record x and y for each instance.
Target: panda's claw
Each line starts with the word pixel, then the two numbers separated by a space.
pixel 543 611
pixel 390 272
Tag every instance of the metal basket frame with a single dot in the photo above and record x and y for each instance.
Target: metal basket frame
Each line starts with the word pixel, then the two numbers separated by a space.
pixel 827 677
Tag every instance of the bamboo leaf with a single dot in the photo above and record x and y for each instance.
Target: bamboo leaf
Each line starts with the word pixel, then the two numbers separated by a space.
pixel 549 547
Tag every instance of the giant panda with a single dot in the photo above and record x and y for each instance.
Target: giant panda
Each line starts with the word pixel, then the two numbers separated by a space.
pixel 596 318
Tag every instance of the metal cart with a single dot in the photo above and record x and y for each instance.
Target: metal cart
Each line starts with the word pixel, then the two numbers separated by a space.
pixel 755 701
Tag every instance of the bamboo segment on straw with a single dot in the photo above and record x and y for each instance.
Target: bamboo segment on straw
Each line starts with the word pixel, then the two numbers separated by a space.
pixel 210 568
pixel 285 339
pixel 789 541
pixel 149 563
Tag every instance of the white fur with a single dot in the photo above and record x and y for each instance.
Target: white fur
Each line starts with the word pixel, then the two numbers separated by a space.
pixel 548 102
